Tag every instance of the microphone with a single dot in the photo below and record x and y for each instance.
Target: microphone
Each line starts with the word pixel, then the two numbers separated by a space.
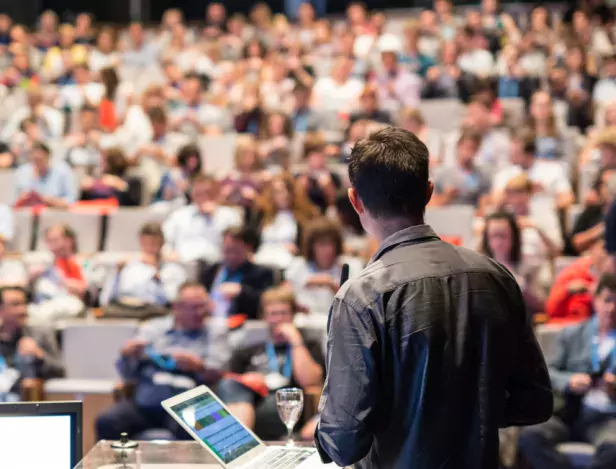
pixel 344 275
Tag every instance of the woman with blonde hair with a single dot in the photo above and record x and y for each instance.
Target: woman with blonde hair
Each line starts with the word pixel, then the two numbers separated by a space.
pixel 285 210
pixel 241 187
pixel 542 122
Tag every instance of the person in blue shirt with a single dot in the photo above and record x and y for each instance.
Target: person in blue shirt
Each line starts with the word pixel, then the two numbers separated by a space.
pixel 168 356
pixel 41 182
pixel 582 369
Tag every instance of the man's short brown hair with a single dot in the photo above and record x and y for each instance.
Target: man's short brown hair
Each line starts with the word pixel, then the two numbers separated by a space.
pixel 152 228
pixel 282 294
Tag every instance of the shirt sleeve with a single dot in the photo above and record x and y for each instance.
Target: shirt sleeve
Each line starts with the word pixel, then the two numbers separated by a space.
pixel 345 432
pixel 529 391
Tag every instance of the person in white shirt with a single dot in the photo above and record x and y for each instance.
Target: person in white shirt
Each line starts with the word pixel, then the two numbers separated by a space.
pixel 476 59
pixel 147 280
pixel 195 231
pixel 285 208
pixel 12 271
pixel 494 148
pixel 104 55
pixel 338 92
pixel 50 120
pixel 315 276
pixel 548 177
pixel 605 89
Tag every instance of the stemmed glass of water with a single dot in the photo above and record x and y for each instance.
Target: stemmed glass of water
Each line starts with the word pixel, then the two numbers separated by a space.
pixel 290 403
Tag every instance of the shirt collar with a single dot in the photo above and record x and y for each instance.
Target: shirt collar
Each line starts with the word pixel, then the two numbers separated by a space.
pixel 417 233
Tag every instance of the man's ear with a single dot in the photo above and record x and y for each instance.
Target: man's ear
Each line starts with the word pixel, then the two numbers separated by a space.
pixel 356 202
pixel 430 192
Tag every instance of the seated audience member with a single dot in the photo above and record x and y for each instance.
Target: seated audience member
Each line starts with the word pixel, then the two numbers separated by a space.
pixel 494 145
pixel 42 182
pixel 355 239
pixel 302 115
pixel 50 120
pixel 12 271
pixel 147 280
pixel 338 92
pixel 286 359
pixel 464 182
pixel 541 236
pixel 235 284
pixel 315 277
pixel 284 210
pixel 59 289
pixel 32 352
pixel 175 183
pixel 369 108
pixel 502 241
pixel 275 137
pixel 82 145
pixel 195 231
pixel 589 227
pixel 548 177
pixel 569 298
pixel 582 371
pixel 319 183
pixel 113 182
pixel 548 140
pixel 165 359
pixel 241 187
pixel 396 87
pixel 413 121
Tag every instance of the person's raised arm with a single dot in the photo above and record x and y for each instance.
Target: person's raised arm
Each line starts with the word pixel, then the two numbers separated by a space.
pixel 350 396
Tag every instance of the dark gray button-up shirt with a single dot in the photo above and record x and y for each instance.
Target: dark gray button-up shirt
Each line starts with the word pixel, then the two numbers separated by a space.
pixel 429 353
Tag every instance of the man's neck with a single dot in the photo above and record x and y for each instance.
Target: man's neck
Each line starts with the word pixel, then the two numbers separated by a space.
pixel 386 228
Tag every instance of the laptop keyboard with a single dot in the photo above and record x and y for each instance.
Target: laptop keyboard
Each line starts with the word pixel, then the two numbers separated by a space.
pixel 282 459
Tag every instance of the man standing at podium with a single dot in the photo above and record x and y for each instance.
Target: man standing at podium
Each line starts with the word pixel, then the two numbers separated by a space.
pixel 430 350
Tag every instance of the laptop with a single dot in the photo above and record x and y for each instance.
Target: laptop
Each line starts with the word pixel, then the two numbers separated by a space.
pixel 202 414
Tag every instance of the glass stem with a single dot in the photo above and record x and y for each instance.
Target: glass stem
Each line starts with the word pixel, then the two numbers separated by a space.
pixel 290 436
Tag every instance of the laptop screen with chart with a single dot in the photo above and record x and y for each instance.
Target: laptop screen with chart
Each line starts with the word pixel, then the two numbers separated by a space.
pixel 218 429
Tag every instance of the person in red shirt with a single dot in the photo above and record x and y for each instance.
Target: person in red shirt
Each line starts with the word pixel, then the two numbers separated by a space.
pixel 570 299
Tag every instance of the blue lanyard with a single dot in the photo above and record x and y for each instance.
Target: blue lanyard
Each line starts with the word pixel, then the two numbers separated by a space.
pixel 164 363
pixel 274 365
pixel 3 365
pixel 235 277
pixel 610 360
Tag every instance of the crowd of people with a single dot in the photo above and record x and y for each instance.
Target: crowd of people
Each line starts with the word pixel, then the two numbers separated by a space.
pixel 99 116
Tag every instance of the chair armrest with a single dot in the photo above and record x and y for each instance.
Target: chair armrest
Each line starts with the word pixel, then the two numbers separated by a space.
pixel 312 396
pixel 31 389
pixel 124 391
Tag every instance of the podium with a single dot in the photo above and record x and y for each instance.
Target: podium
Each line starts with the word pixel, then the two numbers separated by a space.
pixel 156 455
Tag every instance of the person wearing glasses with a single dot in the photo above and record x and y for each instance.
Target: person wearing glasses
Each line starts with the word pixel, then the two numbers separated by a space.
pixel 168 356
pixel 25 351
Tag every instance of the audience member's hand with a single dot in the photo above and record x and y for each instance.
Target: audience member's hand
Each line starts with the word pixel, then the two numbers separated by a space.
pixel 451 192
pixel 230 290
pixel 134 348
pixel 577 286
pixel 580 383
pixel 526 222
pixel 248 193
pixel 320 280
pixel 290 333
pixel 37 271
pixel 609 382
pixel 188 362
pixel 208 207
pixel 27 346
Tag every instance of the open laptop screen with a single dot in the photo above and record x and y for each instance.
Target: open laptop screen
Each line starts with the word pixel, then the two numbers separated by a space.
pixel 40 435
pixel 218 429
